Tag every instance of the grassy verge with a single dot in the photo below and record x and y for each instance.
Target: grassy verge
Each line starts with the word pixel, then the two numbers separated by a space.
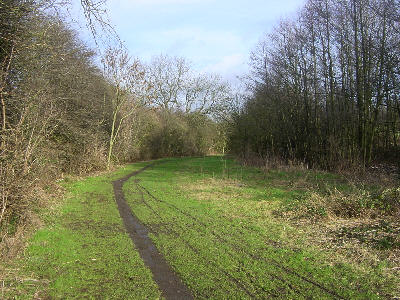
pixel 215 223
pixel 230 232
pixel 82 251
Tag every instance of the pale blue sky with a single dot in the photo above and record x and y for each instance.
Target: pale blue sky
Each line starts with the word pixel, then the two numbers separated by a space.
pixel 214 35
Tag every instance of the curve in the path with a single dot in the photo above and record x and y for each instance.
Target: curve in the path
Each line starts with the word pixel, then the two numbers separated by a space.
pixel 169 283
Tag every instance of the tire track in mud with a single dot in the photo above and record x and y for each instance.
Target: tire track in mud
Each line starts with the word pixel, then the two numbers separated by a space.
pixel 241 249
pixel 169 283
pixel 249 276
pixel 175 234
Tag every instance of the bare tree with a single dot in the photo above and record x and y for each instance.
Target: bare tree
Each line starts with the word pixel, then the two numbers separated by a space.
pixel 128 84
pixel 325 85
pixel 167 77
pixel 207 94
pixel 174 85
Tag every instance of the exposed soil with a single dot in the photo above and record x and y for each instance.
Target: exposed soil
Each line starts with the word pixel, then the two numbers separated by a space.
pixel 168 282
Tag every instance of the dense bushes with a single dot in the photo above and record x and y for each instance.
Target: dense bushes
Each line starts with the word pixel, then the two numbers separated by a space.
pixel 338 204
pixel 182 134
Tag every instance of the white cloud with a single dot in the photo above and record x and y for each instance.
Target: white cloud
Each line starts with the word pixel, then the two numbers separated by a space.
pixel 201 42
pixel 152 2
pixel 215 51
pixel 158 2
pixel 227 63
pixel 228 66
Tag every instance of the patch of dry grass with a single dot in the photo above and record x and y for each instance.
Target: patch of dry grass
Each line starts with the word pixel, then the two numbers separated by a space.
pixel 362 242
pixel 234 197
pixel 211 189
pixel 355 227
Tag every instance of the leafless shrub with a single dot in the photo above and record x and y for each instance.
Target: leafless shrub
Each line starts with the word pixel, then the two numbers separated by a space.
pixel 272 162
pixel 359 203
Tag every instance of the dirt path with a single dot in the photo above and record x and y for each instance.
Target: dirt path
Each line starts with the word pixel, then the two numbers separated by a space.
pixel 168 282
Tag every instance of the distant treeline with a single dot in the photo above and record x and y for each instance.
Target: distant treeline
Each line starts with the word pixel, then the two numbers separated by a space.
pixel 325 87
pixel 61 113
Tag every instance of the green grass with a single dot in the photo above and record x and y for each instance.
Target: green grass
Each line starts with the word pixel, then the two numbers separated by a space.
pixel 212 219
pixel 214 222
pixel 83 250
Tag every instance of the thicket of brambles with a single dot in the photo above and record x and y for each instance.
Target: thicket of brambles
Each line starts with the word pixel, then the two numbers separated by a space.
pixel 61 112
pixel 325 87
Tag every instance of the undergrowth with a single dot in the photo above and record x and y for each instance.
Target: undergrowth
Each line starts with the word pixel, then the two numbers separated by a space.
pixel 358 203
